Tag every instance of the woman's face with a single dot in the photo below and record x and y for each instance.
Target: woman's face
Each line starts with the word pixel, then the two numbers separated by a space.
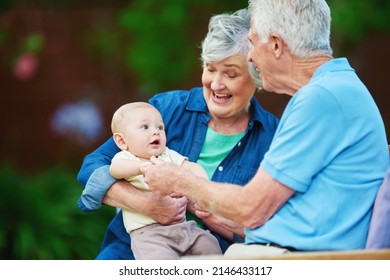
pixel 228 87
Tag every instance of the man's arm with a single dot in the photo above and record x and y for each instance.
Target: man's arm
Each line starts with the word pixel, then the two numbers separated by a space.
pixel 195 168
pixel 222 226
pixel 250 206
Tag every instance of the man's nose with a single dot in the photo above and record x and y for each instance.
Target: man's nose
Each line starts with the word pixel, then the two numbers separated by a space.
pixel 249 57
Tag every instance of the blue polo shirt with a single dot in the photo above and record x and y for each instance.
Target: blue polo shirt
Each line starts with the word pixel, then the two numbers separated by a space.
pixel 331 148
pixel 186 118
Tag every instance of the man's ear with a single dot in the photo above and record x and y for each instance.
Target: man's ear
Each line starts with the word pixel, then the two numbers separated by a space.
pixel 120 141
pixel 277 44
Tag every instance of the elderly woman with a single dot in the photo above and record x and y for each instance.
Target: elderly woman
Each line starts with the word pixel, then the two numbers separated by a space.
pixel 316 185
pixel 220 125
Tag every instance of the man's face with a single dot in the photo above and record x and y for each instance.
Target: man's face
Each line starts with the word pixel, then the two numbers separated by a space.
pixel 258 55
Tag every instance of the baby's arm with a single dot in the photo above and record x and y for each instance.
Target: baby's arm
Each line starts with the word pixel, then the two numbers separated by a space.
pixel 121 168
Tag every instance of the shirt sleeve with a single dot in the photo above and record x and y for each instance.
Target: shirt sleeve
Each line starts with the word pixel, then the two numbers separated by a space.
pixel 100 157
pixel 307 139
pixel 173 156
pixel 95 189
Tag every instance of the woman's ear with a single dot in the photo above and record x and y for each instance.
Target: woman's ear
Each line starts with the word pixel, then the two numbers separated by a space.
pixel 120 141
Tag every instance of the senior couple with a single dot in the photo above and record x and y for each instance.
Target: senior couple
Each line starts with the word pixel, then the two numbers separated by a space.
pixel 307 182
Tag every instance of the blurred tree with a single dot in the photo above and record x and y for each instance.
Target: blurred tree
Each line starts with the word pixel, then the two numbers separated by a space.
pixel 355 20
pixel 159 41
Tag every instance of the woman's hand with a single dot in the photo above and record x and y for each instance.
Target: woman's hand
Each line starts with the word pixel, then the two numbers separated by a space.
pixel 222 226
pixel 166 210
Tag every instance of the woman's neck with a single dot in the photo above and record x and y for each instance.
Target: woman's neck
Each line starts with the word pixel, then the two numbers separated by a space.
pixel 230 126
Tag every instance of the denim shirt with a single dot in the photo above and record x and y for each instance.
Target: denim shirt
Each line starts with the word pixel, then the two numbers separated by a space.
pixel 186 118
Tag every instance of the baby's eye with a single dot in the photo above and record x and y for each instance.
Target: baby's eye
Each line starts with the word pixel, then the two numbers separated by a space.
pixel 145 126
pixel 160 127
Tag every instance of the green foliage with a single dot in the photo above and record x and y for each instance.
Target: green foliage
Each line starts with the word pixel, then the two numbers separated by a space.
pixel 34 42
pixel 40 218
pixel 159 49
pixel 102 42
pixel 159 41
pixel 3 36
pixel 355 19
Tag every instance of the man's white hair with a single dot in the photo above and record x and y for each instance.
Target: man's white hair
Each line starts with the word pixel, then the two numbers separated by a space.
pixel 304 25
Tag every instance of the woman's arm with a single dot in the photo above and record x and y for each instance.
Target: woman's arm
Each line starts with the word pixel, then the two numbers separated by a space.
pixel 100 157
pixel 103 188
pixel 110 191
pixel 165 210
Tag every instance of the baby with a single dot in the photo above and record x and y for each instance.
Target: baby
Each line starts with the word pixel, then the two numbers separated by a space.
pixel 138 130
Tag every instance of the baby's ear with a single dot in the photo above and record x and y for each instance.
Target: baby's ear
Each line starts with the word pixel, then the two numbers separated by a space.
pixel 120 141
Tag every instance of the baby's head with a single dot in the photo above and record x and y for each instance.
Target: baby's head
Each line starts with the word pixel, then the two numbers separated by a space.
pixel 138 128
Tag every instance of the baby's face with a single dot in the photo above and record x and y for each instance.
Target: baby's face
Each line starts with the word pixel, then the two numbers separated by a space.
pixel 144 132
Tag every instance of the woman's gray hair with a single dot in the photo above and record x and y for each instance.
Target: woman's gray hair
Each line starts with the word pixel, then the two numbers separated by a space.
pixel 228 36
pixel 304 25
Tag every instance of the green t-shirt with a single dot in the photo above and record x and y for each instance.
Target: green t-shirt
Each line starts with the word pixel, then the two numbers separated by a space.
pixel 215 148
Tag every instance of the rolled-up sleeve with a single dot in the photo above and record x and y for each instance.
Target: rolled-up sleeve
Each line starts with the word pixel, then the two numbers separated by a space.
pixel 95 189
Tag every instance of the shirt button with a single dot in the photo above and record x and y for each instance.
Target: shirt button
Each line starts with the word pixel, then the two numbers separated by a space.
pixel 239 144
pixel 220 168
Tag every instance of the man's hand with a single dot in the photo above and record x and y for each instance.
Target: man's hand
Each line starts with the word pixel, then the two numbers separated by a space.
pixel 163 177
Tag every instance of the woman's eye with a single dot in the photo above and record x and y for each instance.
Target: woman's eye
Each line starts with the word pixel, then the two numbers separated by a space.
pixel 232 75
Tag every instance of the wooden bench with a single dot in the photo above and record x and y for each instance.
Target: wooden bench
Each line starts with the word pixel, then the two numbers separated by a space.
pixel 382 254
